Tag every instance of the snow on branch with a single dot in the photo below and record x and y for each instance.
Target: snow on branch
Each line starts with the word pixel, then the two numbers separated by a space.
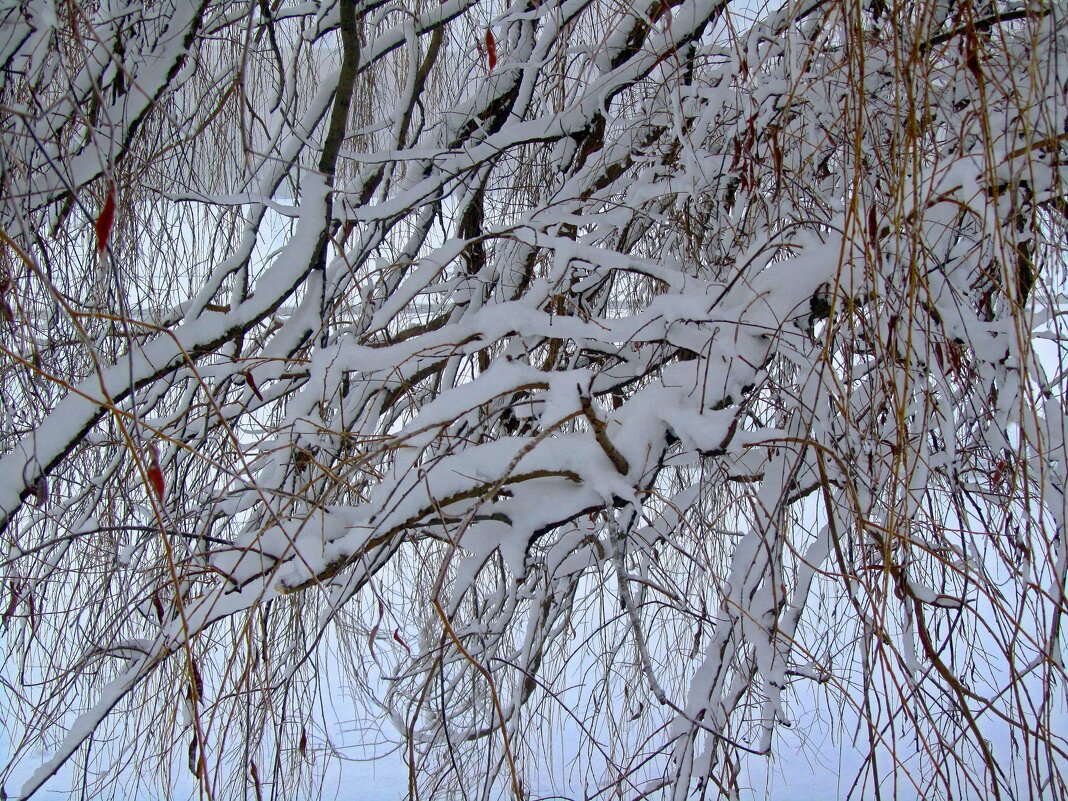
pixel 655 383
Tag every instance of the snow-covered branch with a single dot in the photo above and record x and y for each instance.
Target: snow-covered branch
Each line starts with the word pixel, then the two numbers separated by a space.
pixel 648 380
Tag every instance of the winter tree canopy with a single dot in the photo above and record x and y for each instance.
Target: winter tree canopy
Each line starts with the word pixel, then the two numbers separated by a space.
pixel 581 398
